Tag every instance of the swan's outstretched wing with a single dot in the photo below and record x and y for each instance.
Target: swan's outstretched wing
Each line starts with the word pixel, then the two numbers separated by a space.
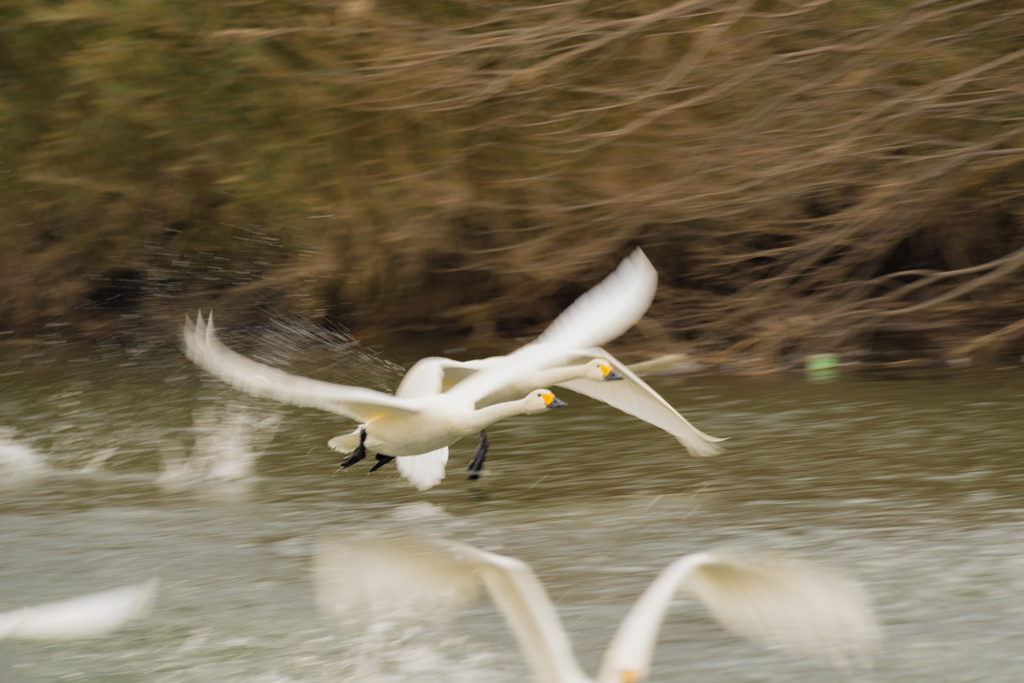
pixel 396 578
pixel 635 397
pixel 529 612
pixel 608 309
pixel 83 617
pixel 423 471
pixel 435 374
pixel 422 379
pixel 358 403
pixel 599 316
pixel 793 606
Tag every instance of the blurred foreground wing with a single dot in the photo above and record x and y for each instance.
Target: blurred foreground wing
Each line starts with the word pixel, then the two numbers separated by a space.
pixel 529 612
pixel 635 397
pixel 373 580
pixel 204 349
pixel 83 617
pixel 423 471
pixel 362 581
pixel 804 610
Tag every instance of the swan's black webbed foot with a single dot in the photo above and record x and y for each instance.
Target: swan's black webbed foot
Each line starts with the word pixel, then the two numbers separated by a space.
pixel 381 461
pixel 359 453
pixel 478 458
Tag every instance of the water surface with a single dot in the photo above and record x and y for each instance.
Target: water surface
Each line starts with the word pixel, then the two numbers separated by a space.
pixel 111 469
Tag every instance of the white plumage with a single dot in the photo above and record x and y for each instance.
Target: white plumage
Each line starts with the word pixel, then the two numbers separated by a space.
pixel 807 611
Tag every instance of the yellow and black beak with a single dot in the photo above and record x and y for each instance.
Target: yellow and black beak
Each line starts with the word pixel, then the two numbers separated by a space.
pixel 609 374
pixel 551 401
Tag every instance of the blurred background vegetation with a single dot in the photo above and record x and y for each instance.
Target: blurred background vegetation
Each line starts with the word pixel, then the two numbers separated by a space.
pixel 807 175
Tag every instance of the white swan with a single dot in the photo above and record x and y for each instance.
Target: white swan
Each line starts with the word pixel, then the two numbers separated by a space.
pixel 420 420
pixel 624 297
pixel 87 616
pixel 593 374
pixel 392 425
pixel 801 609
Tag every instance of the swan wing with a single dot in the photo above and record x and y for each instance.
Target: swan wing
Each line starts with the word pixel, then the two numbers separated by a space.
pixel 423 471
pixel 635 397
pixel 424 378
pixel 368 580
pixel 531 615
pixel 207 351
pixel 434 374
pixel 403 578
pixel 597 317
pixel 87 616
pixel 804 610
pixel 607 310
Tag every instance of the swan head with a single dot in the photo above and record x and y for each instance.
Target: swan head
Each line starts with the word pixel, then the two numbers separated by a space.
pixel 542 399
pixel 600 370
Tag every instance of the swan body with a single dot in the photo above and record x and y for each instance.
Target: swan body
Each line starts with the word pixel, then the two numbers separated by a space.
pixel 87 616
pixel 804 610
pixel 440 422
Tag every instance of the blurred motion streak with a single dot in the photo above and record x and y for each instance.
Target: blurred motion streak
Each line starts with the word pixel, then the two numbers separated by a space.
pixel 368 584
pixel 88 616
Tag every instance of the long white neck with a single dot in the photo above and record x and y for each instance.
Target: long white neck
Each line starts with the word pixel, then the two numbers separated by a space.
pixel 485 417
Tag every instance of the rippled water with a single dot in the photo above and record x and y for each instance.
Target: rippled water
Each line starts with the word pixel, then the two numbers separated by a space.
pixel 116 467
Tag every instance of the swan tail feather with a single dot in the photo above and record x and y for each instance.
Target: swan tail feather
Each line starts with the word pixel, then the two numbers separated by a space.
pixel 424 471
pixel 346 443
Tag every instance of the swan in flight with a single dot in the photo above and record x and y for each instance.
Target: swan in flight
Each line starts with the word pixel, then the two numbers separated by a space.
pixel 421 419
pixel 391 425
pixel 591 372
pixel 87 616
pixel 807 611
pixel 620 299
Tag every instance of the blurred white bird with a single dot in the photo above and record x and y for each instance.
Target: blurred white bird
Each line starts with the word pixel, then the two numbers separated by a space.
pixel 806 611
pixel 87 616
pixel 624 296
pixel 594 373
pixel 391 425
pixel 422 421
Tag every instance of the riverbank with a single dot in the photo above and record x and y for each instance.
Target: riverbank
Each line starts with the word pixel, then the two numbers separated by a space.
pixel 838 177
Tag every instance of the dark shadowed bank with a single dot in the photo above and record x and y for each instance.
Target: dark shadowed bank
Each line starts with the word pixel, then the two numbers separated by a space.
pixel 807 176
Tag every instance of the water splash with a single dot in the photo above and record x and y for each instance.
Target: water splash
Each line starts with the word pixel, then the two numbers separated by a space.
pixel 18 459
pixel 228 442
pixel 298 345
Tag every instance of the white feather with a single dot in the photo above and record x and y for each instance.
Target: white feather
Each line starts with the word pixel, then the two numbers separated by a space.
pixel 424 471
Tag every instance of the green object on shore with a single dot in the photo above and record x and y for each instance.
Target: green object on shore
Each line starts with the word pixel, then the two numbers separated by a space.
pixel 821 361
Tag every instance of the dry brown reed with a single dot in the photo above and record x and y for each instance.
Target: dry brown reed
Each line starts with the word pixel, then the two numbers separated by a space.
pixel 807 175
